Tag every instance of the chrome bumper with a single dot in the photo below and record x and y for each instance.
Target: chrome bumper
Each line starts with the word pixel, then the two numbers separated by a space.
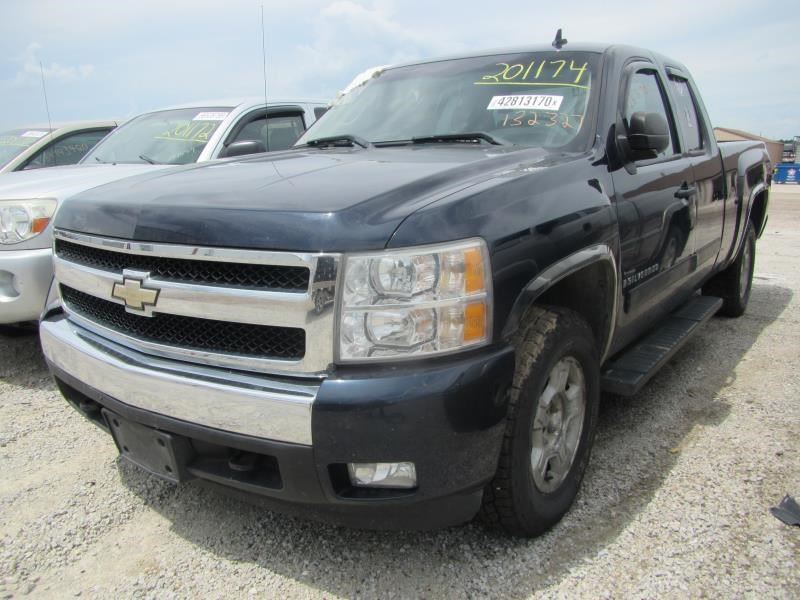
pixel 25 277
pixel 250 405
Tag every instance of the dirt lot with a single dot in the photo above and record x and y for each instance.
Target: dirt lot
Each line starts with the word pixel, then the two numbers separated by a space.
pixel 675 501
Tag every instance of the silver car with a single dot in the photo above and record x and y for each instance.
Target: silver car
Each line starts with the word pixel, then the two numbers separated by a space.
pixel 173 136
pixel 58 145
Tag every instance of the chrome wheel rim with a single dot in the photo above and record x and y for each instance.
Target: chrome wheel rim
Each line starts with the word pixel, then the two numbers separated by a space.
pixel 558 424
pixel 747 265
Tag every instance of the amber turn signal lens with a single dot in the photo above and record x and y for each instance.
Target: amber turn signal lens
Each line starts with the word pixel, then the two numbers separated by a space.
pixel 473 271
pixel 474 321
pixel 40 224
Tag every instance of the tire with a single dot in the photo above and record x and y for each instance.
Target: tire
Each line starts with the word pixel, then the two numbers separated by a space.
pixel 521 499
pixel 735 283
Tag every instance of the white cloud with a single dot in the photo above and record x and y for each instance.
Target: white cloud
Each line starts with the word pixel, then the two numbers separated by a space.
pixel 128 56
pixel 30 71
pixel 374 22
pixel 350 36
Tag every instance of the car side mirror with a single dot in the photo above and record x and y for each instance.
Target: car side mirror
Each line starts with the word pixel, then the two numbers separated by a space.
pixel 242 147
pixel 648 133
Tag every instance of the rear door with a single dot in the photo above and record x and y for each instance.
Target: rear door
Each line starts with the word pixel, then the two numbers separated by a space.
pixel 654 206
pixel 702 151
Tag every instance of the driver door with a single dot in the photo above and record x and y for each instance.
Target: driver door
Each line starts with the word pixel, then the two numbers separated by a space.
pixel 277 130
pixel 655 210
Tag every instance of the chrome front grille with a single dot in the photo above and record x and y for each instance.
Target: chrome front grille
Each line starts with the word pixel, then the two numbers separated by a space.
pixel 190 333
pixel 204 272
pixel 269 312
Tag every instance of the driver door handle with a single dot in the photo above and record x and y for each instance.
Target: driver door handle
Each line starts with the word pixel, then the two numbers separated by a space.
pixel 685 192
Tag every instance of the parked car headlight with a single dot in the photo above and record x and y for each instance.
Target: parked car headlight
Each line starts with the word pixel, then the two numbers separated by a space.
pixel 21 220
pixel 413 302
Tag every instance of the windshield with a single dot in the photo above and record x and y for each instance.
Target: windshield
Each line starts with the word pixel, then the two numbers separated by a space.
pixel 531 99
pixel 14 142
pixel 172 137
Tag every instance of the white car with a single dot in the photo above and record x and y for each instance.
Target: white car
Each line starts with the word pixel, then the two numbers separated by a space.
pixel 173 136
pixel 58 145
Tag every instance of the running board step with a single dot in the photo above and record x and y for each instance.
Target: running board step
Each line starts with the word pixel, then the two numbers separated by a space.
pixel 627 373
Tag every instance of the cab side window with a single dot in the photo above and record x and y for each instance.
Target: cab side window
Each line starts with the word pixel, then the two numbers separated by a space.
pixel 279 132
pixel 67 150
pixel 687 114
pixel 645 95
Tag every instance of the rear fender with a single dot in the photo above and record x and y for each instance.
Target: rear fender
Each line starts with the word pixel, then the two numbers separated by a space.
pixel 751 190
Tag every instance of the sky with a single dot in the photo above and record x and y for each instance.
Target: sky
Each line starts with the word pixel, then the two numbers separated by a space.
pixel 110 59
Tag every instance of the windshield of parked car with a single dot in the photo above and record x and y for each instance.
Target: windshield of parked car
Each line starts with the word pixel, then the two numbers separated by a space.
pixel 530 99
pixel 171 137
pixel 14 142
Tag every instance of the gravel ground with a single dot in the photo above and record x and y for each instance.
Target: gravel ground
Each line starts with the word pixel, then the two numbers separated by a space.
pixel 675 501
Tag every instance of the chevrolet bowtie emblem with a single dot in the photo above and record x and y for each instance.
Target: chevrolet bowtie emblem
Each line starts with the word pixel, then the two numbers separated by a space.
pixel 133 294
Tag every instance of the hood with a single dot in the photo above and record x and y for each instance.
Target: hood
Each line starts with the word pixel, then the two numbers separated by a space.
pixel 61 182
pixel 333 199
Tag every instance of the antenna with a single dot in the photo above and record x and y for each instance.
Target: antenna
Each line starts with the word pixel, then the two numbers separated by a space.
pixel 46 105
pixel 559 42
pixel 264 56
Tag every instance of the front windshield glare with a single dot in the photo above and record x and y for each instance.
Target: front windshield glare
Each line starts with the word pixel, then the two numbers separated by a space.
pixel 171 137
pixel 531 99
pixel 14 142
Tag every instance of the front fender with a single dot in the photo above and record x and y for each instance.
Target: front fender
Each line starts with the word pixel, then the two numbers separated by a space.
pixel 575 265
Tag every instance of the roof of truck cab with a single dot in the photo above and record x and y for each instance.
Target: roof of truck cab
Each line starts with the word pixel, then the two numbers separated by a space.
pixel 595 47
pixel 585 47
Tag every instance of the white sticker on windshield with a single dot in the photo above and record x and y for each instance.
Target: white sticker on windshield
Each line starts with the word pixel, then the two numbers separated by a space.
pixel 531 101
pixel 211 116
pixel 34 134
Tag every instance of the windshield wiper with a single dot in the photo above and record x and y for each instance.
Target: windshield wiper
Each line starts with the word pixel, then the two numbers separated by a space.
pixel 98 159
pixel 149 160
pixel 339 140
pixel 470 137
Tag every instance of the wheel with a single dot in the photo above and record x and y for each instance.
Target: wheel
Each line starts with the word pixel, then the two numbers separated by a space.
pixel 552 417
pixel 734 284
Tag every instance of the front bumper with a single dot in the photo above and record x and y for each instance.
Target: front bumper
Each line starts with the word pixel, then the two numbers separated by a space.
pixel 25 277
pixel 447 416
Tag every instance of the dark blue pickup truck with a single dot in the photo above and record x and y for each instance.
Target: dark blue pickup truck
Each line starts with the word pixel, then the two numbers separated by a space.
pixel 409 317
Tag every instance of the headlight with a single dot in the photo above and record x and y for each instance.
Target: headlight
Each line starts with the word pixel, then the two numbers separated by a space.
pixel 21 220
pixel 415 302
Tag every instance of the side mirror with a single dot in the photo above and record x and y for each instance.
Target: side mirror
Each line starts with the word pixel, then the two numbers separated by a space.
pixel 242 147
pixel 648 133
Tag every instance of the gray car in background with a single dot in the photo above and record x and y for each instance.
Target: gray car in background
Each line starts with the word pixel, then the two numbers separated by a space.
pixel 173 136
pixel 61 144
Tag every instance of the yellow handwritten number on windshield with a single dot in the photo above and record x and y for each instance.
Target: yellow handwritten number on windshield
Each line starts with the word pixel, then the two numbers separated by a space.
pixel 519 73
pixel 190 131
pixel 531 119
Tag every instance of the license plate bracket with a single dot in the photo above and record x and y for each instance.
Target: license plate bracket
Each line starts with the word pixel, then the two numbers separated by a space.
pixel 160 453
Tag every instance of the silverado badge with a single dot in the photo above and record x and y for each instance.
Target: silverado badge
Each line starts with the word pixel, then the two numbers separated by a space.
pixel 133 294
